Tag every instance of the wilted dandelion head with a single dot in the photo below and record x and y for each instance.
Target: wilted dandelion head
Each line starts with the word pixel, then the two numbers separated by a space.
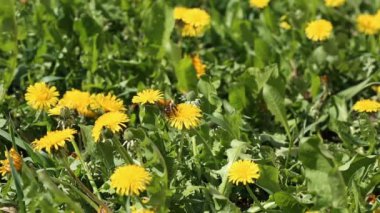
pixel 368 24
pixel 40 96
pixel 259 3
pixel 199 67
pixel 5 164
pixel 113 121
pixel 319 30
pixel 54 140
pixel 77 100
pixel 185 116
pixel 130 180
pixel 366 106
pixel 107 103
pixel 334 3
pixel 244 171
pixel 150 96
pixel 195 20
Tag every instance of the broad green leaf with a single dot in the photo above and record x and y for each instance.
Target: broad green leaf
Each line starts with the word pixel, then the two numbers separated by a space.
pixel 186 75
pixel 268 180
pixel 322 175
pixel 288 203
pixel 237 97
pixel 350 92
pixel 273 93
pixel 8 40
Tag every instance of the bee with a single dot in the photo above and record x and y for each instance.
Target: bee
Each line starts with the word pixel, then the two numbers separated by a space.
pixel 169 107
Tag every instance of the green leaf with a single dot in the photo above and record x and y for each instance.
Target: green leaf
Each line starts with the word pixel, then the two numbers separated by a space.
pixel 288 203
pixel 237 97
pixel 273 93
pixel 350 92
pixel 269 179
pixel 186 75
pixel 8 40
pixel 322 175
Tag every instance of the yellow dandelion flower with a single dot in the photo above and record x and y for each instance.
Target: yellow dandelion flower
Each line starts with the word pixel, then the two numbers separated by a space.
pixel 195 21
pixel 199 67
pixel 56 110
pixel 41 97
pixel 77 100
pixel 179 12
pixel 185 116
pixel 54 140
pixel 5 164
pixel 244 171
pixel 319 30
pixel 285 25
pixel 366 105
pixel 334 3
pixel 142 211
pixel 130 180
pixel 150 96
pixel 107 103
pixel 113 121
pixel 259 3
pixel 368 24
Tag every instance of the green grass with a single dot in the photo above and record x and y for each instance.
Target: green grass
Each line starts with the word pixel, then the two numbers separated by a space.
pixel 270 95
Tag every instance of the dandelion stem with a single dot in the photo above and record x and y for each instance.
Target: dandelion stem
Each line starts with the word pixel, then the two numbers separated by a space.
pixel 87 170
pixel 253 196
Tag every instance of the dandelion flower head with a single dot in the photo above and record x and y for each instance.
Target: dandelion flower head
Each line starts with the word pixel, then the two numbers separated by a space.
pixel 366 105
pixel 53 140
pixel 243 171
pixel 368 24
pixel 199 67
pixel 334 3
pixel 150 96
pixel 130 180
pixel 107 103
pixel 319 30
pixel 41 97
pixel 77 100
pixel 5 164
pixel 113 121
pixel 186 116
pixel 259 3
pixel 195 20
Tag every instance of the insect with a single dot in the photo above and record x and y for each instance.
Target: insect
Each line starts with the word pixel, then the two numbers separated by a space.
pixel 169 107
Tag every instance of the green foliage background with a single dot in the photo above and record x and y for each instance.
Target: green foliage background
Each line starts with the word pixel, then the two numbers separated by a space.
pixel 262 99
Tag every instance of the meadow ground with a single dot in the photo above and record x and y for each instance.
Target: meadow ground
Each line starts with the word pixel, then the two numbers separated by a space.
pixel 189 106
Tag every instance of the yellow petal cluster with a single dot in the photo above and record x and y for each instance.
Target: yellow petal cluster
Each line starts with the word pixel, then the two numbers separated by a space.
pixel 243 171
pixel 259 3
pixel 285 25
pixel 186 116
pixel 150 96
pixel 195 21
pixel 76 100
pixel 368 24
pixel 113 121
pixel 107 103
pixel 334 3
pixel 366 105
pixel 40 96
pixel 53 140
pixel 5 164
pixel 319 30
pixel 130 180
pixel 199 67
